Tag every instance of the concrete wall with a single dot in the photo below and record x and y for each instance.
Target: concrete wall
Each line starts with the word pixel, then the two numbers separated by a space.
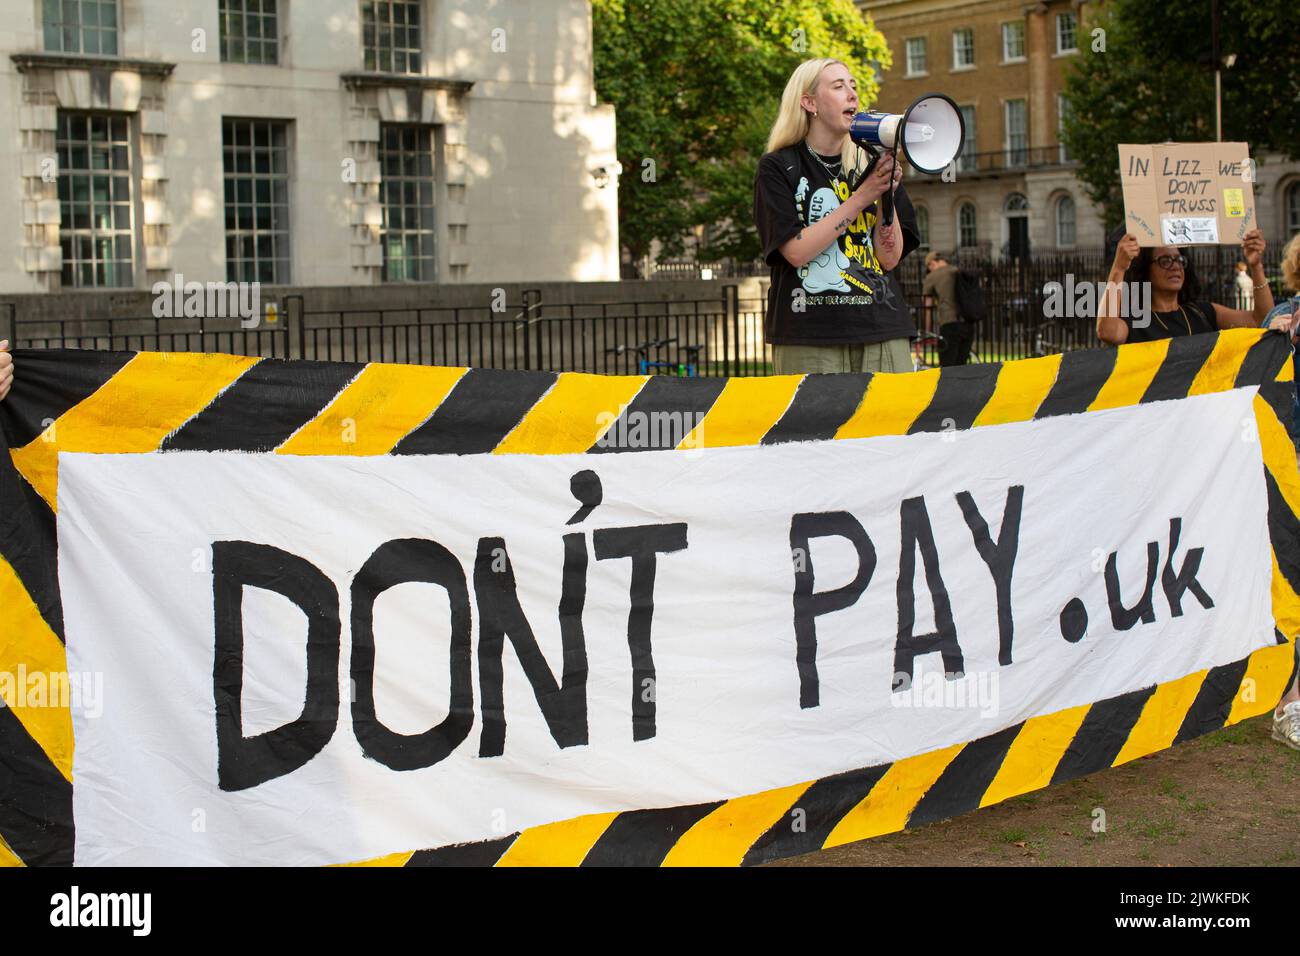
pixel 516 198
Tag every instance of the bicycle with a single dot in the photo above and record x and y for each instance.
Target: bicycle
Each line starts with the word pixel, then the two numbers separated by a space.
pixel 645 364
pixel 920 343
pixel 1053 338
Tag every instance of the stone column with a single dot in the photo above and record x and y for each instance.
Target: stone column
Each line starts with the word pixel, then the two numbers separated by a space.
pixel 1040 44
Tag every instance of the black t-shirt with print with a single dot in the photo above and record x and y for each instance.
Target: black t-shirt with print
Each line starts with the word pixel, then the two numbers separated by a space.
pixel 841 297
pixel 1195 318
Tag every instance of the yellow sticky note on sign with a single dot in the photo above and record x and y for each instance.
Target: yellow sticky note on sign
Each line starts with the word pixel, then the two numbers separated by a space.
pixel 1234 203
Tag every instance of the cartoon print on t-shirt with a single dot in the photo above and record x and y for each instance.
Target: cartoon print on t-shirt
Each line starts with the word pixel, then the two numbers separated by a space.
pixel 848 264
pixel 826 270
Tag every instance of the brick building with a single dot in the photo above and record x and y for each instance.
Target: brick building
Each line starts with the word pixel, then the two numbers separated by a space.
pixel 1002 62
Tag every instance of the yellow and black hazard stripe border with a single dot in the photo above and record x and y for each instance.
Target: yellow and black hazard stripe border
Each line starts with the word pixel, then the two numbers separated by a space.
pixel 115 402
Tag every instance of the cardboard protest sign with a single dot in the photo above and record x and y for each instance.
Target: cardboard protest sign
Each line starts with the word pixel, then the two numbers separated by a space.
pixel 1187 194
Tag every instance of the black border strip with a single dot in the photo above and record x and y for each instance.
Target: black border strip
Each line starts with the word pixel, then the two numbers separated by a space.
pixel 48 383
pixel 1213 703
pixel 679 403
pixel 1079 380
pixel 821 404
pixel 824 805
pixel 486 853
pixel 483 407
pixel 964 782
pixel 35 799
pixel 644 837
pixel 962 393
pixel 264 407
pixel 1183 361
pixel 1102 735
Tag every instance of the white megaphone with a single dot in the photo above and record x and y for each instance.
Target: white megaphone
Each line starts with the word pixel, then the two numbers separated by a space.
pixel 930 133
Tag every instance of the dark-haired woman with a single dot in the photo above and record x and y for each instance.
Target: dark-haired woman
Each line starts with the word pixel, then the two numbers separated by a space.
pixel 1177 307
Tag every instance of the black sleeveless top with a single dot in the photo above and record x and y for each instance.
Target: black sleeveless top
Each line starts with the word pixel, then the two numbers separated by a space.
pixel 1194 318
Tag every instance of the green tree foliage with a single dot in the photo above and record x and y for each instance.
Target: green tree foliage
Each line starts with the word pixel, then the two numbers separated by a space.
pixel 696 85
pixel 1153 82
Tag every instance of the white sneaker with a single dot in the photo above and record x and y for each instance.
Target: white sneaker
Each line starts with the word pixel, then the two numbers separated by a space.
pixel 1286 727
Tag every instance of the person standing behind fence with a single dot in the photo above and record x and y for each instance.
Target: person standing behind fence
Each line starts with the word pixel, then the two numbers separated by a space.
pixel 1245 298
pixel 1177 306
pixel 939 302
pixel 833 305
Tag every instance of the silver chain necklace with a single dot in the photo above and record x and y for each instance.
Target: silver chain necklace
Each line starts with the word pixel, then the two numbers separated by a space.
pixel 832 173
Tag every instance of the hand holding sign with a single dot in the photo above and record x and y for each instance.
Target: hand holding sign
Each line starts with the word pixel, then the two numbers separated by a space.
pixel 1252 248
pixel 1126 252
pixel 1187 194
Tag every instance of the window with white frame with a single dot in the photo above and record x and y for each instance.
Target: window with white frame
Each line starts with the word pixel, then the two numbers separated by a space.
pixel 963 48
pixel 923 226
pixel 1065 222
pixel 1293 209
pixel 968 161
pixel 80 26
pixel 96 219
pixel 250 31
pixel 391 35
pixel 1013 41
pixel 1066 24
pixel 406 192
pixel 1016 135
pixel 916 60
pixel 255 155
pixel 1062 114
pixel 966 233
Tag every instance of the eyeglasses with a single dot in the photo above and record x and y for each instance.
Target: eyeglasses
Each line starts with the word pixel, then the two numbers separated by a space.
pixel 1168 262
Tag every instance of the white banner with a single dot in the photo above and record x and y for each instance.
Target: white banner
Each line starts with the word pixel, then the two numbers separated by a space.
pixel 1007 555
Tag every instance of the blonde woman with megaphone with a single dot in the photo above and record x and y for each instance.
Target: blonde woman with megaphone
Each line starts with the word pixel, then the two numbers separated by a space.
pixel 832 305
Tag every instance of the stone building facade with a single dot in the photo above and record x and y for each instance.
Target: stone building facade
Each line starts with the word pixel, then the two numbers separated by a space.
pixel 302 143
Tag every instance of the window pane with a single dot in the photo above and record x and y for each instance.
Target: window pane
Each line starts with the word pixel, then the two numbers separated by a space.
pixel 80 26
pixel 249 32
pixel 1017 140
pixel 1065 222
pixel 406 158
pixel 390 35
pixel 1065 24
pixel 966 225
pixel 256 194
pixel 96 232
